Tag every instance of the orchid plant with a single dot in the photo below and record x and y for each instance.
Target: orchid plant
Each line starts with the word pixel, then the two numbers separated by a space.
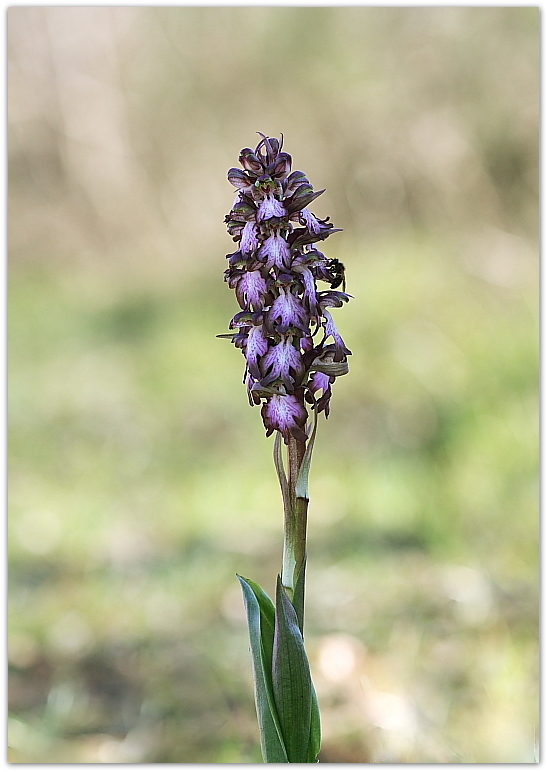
pixel 293 353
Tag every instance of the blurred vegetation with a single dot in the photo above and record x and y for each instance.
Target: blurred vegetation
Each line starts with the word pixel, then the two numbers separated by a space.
pixel 140 479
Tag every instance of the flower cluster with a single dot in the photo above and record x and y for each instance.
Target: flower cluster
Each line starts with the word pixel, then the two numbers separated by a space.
pixel 292 348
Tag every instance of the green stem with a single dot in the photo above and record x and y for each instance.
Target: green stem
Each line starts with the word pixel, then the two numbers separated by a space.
pixel 294 555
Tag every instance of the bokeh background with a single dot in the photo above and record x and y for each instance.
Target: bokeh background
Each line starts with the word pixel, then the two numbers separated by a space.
pixel 140 478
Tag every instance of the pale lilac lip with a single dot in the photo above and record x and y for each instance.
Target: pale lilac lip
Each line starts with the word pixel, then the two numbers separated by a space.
pixel 250 241
pixel 286 414
pixel 270 207
pixel 282 361
pixel 275 252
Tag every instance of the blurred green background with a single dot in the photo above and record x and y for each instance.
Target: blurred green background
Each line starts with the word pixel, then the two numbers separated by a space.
pixel 140 478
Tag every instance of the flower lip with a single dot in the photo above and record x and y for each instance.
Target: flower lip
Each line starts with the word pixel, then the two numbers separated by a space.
pixel 282 362
pixel 256 346
pixel 275 252
pixel 250 241
pixel 287 311
pixel 331 331
pixel 286 414
pixel 312 223
pixel 250 288
pixel 324 382
pixel 270 207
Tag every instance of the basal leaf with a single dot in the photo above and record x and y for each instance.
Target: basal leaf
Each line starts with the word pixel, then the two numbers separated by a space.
pixel 268 614
pixel 260 619
pixel 315 740
pixel 291 682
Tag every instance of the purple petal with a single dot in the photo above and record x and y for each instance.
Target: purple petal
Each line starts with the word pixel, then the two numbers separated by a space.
pixel 333 298
pixel 287 310
pixel 321 381
pixel 270 207
pixel 250 162
pixel 309 289
pixel 256 347
pixel 294 180
pixel 331 331
pixel 286 414
pixel 251 290
pixel 276 251
pixel 311 222
pixel 307 344
pixel 249 242
pixel 279 361
pixel 282 166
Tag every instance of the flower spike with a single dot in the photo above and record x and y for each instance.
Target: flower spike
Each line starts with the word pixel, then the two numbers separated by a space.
pixel 274 273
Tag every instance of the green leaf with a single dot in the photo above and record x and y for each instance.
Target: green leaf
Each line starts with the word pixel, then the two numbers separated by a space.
pixel 315 740
pixel 268 614
pixel 260 619
pixel 291 682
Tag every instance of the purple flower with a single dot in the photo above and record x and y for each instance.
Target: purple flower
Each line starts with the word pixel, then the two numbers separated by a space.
pixel 287 311
pixel 309 295
pixel 250 289
pixel 280 361
pixel 331 332
pixel 276 252
pixel 249 242
pixel 256 347
pixel 311 222
pixel 286 414
pixel 270 207
pixel 321 381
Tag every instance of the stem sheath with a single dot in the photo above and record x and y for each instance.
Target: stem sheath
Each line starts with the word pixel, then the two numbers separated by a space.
pixel 294 554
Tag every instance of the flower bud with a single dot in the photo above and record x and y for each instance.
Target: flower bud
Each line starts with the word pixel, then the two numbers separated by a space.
pixel 281 167
pixel 250 162
pixel 294 180
pixel 237 178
